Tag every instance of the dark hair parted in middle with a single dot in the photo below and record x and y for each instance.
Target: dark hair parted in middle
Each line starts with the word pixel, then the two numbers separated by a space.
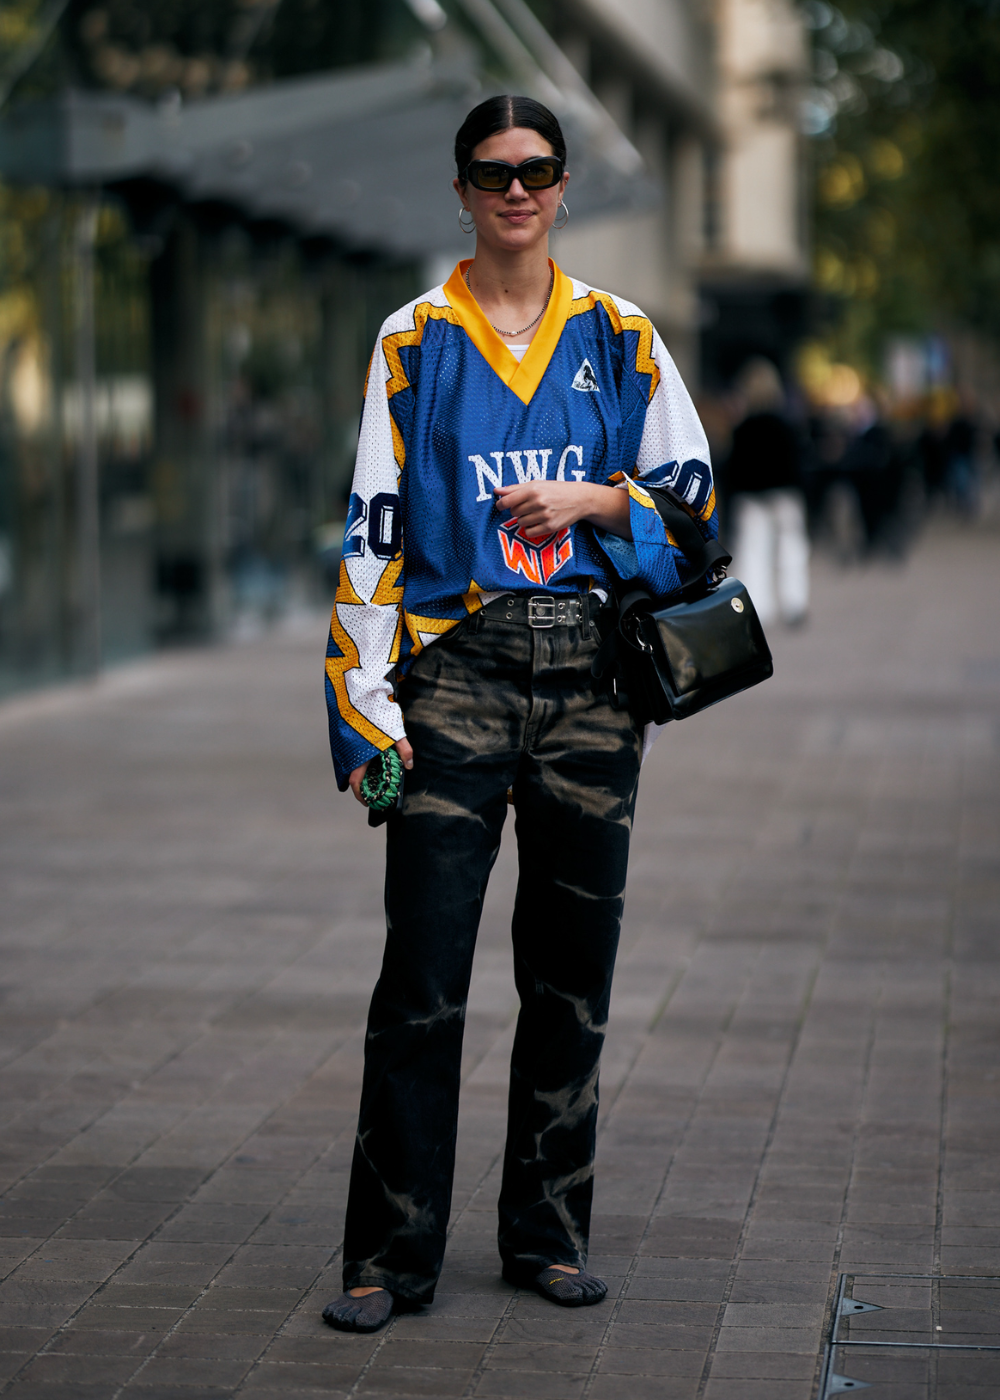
pixel 504 114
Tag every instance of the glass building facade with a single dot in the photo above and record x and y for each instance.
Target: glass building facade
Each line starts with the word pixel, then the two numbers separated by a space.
pixel 228 365
pixel 207 208
pixel 180 382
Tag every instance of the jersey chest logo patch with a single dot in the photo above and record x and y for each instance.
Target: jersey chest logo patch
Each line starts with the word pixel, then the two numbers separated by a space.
pixel 585 379
pixel 537 558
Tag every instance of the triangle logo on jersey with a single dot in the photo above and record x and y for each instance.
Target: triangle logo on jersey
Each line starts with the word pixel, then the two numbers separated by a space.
pixel 585 379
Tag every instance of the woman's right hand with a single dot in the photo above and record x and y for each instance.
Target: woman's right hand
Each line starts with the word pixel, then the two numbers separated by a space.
pixel 405 751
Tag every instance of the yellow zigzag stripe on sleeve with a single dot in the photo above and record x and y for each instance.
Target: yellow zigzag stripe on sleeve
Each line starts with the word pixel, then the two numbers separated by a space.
pixel 345 588
pixel 416 624
pixel 397 642
pixel 389 593
pixel 397 381
pixel 641 498
pixel 704 514
pixel 338 666
pixel 644 362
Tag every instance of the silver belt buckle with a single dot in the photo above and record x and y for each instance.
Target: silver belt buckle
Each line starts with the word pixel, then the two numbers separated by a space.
pixel 541 611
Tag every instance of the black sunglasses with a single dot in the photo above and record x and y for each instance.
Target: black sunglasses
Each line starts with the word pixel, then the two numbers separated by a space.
pixel 539 173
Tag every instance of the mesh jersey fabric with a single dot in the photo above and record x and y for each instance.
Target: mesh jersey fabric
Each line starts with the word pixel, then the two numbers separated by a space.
pixel 450 413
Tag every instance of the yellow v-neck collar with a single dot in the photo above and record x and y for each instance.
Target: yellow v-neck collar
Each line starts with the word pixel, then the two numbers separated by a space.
pixel 522 377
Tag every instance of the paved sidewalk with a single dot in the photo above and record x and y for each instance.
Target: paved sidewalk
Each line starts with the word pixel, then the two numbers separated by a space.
pixel 801 1075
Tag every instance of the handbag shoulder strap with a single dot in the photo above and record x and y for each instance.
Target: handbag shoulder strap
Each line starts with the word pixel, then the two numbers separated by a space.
pixel 700 553
pixel 703 555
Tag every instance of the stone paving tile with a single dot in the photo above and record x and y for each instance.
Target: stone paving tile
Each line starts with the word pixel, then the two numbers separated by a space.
pixel 160 1261
pixel 191 931
pixel 152 1321
pixel 513 1385
pixel 288 1390
pixel 111 1371
pixel 190 1371
pixel 653 1361
pixel 675 1290
pixel 764 1365
pixel 23 1340
pixel 608 1387
pixel 744 1389
pixel 171 1391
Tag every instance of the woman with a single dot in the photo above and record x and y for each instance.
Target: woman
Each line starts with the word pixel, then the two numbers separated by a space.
pixel 510 418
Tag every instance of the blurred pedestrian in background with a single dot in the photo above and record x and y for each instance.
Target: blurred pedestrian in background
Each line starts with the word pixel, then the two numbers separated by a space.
pixel 947 451
pixel 960 475
pixel 767 504
pixel 931 452
pixel 871 466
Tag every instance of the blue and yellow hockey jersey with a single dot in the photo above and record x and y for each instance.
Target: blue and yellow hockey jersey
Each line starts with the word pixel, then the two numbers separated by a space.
pixel 450 414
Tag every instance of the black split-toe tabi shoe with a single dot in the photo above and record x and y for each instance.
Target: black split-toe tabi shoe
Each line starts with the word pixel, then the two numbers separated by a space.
pixel 580 1290
pixel 365 1314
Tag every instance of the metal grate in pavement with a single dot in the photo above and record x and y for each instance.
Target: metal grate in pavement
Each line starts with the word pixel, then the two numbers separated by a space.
pixel 914 1337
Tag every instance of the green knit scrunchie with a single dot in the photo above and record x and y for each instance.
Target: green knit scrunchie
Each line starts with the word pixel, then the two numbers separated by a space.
pixel 380 785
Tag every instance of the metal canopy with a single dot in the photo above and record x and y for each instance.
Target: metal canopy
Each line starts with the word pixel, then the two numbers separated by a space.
pixel 363 156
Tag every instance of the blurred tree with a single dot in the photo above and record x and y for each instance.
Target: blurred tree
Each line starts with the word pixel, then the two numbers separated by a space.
pixel 905 112
pixel 27 29
pixel 148 47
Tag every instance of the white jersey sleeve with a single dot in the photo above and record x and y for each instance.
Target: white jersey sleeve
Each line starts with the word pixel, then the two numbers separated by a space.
pixel 367 617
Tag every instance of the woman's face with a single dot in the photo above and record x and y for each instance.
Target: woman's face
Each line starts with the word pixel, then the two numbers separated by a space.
pixel 514 219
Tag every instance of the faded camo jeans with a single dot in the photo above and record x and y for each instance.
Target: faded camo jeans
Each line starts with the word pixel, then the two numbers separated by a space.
pixel 492 707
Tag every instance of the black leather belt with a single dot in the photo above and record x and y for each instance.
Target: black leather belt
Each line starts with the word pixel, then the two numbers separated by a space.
pixel 541 610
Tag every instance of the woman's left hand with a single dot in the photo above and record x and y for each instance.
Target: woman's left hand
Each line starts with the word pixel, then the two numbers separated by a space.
pixel 405 752
pixel 544 507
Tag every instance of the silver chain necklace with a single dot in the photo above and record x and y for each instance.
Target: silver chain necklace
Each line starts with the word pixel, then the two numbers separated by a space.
pixel 511 335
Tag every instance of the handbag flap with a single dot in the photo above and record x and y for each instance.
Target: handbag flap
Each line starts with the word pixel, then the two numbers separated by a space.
pixel 714 636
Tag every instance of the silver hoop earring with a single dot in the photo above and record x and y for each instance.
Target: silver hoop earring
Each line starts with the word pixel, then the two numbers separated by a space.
pixel 462 211
pixel 565 221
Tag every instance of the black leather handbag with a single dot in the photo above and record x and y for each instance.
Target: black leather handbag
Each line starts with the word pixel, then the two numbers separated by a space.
pixel 667 658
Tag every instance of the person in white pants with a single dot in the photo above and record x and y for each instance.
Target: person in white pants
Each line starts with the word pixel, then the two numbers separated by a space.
pixel 770 541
